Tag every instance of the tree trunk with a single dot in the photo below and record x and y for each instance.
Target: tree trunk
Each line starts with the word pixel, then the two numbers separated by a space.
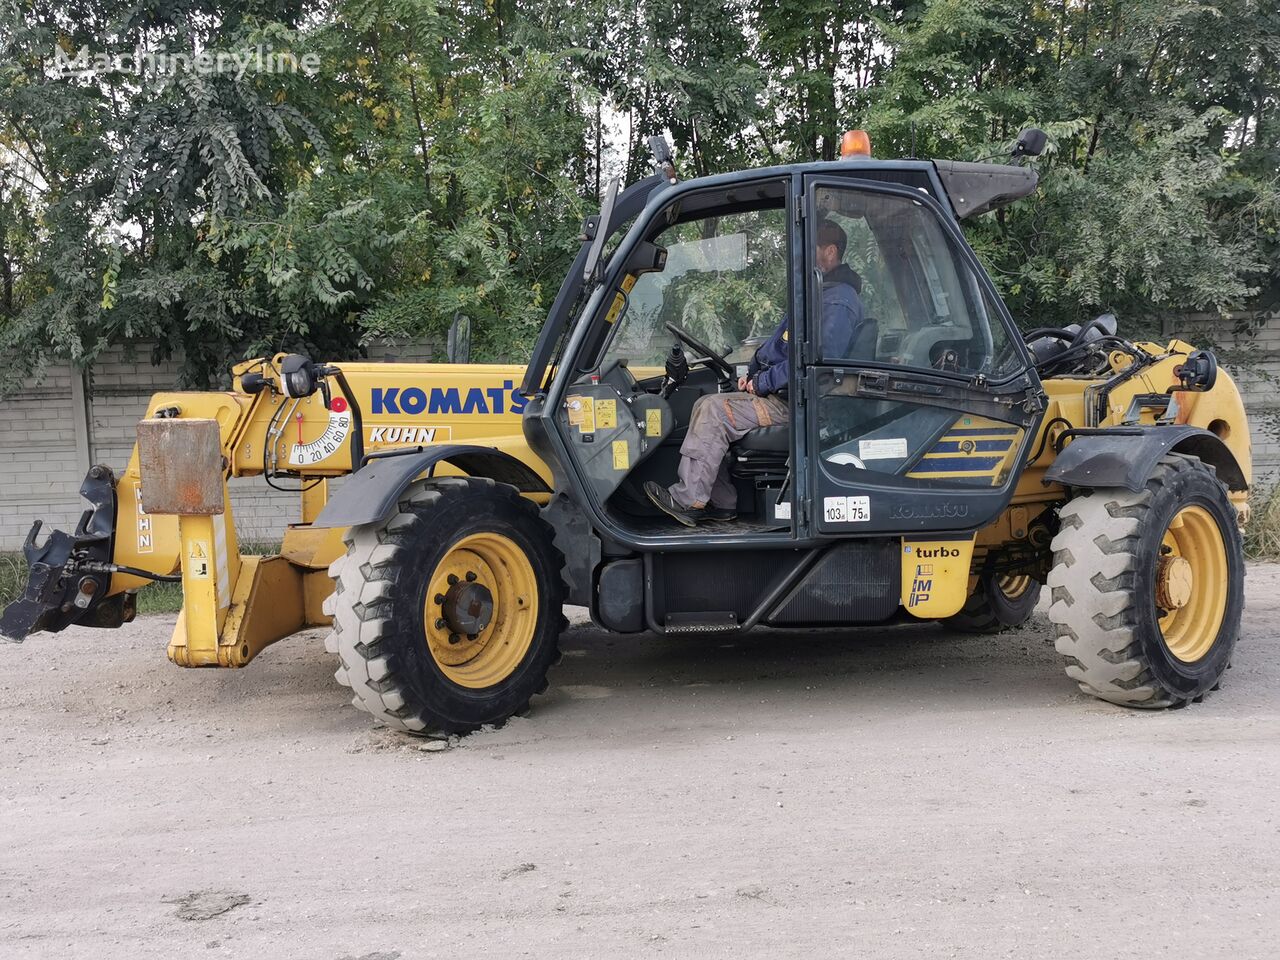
pixel 422 139
pixel 6 268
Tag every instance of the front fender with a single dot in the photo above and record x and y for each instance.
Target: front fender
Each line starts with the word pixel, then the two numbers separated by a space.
pixel 1126 456
pixel 371 493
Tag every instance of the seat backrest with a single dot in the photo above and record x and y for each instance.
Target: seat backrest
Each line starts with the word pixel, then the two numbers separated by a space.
pixel 866 341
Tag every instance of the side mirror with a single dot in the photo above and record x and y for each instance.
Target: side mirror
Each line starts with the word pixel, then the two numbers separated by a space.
pixel 1030 143
pixel 458 346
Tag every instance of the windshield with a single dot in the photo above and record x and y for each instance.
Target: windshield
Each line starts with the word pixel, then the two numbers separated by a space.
pixel 724 281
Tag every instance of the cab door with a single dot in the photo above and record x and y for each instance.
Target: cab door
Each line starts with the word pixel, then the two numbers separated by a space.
pixel 915 420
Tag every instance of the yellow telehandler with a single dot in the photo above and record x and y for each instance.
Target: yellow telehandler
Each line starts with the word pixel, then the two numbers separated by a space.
pixel 941 465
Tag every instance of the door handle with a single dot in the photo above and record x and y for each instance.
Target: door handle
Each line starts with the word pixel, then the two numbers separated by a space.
pixel 877 383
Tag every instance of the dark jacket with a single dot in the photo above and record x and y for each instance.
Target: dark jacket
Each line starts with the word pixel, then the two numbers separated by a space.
pixel 841 318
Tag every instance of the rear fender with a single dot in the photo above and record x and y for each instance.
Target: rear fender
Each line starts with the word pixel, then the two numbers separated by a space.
pixel 1126 456
pixel 371 493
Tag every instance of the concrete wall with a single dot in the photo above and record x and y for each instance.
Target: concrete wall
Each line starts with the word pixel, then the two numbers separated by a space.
pixel 1248 349
pixel 52 433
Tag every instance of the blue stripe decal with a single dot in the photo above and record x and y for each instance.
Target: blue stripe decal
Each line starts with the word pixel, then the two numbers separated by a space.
pixel 986 446
pixel 956 464
pixel 983 431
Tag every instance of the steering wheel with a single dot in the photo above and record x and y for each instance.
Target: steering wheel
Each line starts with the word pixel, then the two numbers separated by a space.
pixel 708 356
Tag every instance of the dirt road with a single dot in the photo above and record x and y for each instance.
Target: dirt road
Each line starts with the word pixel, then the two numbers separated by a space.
pixel 897 792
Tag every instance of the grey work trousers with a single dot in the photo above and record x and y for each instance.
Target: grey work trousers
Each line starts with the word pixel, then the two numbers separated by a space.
pixel 718 420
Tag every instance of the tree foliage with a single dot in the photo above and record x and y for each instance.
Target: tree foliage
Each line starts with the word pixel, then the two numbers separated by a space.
pixel 442 156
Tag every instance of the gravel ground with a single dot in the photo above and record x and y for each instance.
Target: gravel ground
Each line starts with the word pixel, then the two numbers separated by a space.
pixel 897 792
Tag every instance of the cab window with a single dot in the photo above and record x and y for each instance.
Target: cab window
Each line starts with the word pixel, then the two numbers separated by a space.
pixel 922 305
pixel 923 309
pixel 724 281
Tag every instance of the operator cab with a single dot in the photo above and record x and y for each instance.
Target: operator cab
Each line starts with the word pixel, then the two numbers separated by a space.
pixel 920 413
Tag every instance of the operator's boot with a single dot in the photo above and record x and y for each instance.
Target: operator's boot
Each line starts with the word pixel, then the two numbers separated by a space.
pixel 719 514
pixel 661 498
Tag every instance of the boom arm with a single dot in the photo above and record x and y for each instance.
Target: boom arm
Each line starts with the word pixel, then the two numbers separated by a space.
pixel 169 516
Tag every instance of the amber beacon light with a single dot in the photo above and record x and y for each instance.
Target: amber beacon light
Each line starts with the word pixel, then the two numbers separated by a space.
pixel 855 143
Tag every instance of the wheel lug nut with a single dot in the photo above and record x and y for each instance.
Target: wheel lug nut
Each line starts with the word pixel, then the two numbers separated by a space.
pixel 471 577
pixel 472 637
pixel 439 598
pixel 452 579
pixel 454 638
pixel 439 623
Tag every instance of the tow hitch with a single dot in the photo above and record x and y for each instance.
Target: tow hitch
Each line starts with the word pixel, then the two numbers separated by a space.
pixel 68 576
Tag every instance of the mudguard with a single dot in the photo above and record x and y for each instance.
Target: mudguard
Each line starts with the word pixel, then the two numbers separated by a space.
pixel 1126 456
pixel 371 493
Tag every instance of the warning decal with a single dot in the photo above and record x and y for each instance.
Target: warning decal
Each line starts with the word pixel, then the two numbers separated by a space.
pixel 621 455
pixel 653 423
pixel 198 556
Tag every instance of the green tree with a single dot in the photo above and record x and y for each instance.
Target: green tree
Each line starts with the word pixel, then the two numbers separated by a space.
pixel 442 158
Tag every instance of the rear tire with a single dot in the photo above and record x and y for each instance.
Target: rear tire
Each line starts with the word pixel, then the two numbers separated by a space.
pixel 1000 601
pixel 456 551
pixel 1119 556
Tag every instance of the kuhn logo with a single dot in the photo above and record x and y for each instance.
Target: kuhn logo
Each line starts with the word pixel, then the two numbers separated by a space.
pixel 443 400
pixel 408 435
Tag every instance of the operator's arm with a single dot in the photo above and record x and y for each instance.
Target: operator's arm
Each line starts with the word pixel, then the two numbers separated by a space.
pixel 841 318
pixel 772 378
pixel 759 362
pixel 768 371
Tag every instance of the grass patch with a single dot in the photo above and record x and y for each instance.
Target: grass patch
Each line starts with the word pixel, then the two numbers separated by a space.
pixel 153 598
pixel 13 577
pixel 1262 532
pixel 160 598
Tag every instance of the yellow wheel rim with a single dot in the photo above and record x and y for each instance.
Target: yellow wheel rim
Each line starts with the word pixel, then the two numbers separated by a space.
pixel 1191 583
pixel 481 610
pixel 1014 586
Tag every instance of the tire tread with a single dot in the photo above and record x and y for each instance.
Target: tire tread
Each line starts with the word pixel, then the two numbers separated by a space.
pixel 366 579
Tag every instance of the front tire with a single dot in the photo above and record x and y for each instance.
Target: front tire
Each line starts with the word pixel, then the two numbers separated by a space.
pixel 1148 588
pixel 447 614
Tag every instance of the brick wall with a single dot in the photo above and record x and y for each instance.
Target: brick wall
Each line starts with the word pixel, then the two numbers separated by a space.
pixel 39 465
pixel 1249 349
pixel 51 433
